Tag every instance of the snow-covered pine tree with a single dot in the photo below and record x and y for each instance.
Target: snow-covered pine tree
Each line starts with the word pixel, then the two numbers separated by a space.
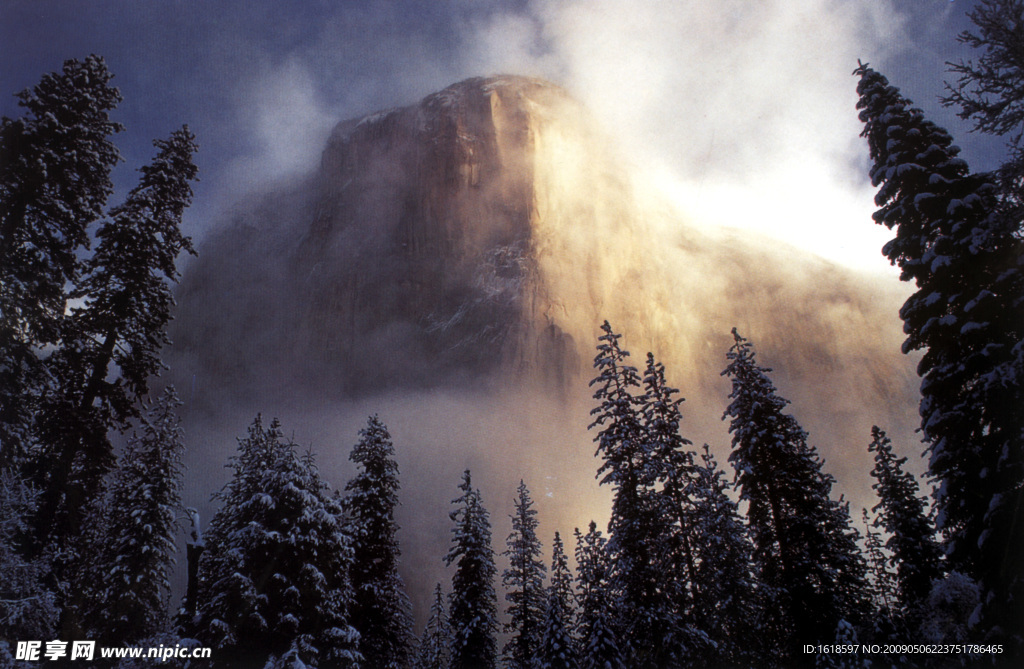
pixel 913 551
pixel 433 650
pixel 126 302
pixel 959 240
pixel 55 167
pixel 69 376
pixel 595 632
pixel 888 624
pixel 28 608
pixel 290 660
pixel 845 635
pixel 134 582
pixel 952 604
pixel 671 462
pixel 557 649
pixel 803 541
pixel 727 593
pixel 673 473
pixel 524 585
pixel 381 611
pixel 646 617
pixel 274 576
pixel 882 580
pixel 988 91
pixel 620 441
pixel 473 617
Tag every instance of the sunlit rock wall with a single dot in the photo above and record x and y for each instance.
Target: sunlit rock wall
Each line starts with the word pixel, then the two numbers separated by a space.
pixel 449 266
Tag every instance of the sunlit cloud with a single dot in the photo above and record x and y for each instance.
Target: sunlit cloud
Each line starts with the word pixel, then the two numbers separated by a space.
pixel 745 110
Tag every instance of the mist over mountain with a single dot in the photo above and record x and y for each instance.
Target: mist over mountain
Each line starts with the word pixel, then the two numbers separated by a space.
pixel 449 265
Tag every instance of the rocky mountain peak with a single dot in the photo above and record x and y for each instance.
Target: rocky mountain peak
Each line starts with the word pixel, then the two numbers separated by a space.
pixel 481 236
pixel 450 265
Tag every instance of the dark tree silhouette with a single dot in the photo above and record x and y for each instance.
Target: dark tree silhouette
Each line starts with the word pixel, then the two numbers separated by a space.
pixel 962 247
pixel 54 183
pixel 803 541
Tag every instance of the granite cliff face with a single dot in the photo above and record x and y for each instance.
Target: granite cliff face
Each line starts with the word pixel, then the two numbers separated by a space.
pixel 481 236
pixel 424 237
pixel 449 266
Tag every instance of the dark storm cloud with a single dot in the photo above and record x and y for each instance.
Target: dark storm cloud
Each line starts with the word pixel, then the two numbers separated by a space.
pixel 248 77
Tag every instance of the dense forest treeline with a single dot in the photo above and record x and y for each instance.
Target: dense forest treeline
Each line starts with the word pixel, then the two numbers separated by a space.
pixel 760 566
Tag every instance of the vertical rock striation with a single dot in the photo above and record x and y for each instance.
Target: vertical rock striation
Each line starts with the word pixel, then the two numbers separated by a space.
pixel 424 243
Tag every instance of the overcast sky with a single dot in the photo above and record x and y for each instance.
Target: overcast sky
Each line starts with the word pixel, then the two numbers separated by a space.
pixel 742 109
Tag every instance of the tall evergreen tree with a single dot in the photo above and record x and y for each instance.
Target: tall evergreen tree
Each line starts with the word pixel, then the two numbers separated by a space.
pixel 889 622
pixel 473 617
pixel 727 593
pixel 959 240
pixel 674 482
pixel 620 441
pixel 557 649
pixel 803 540
pixel 29 608
pixel 80 333
pixel 524 585
pixel 381 608
pixel 647 620
pixel 883 580
pixel 597 641
pixel 433 651
pixel 126 301
pixel 990 90
pixel 134 581
pixel 274 577
pixel 914 553
pixel 674 475
pixel 54 182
